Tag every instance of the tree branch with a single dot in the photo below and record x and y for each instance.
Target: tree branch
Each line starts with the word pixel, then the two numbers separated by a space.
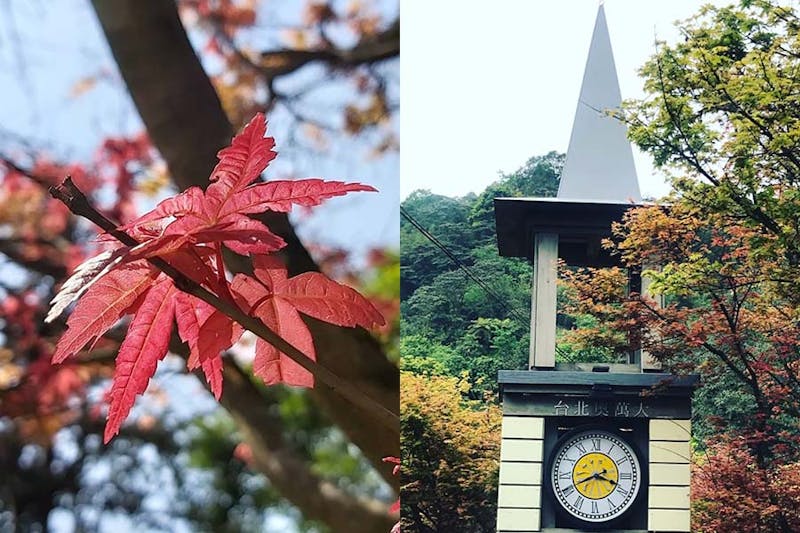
pixel 382 46
pixel 42 265
pixel 275 63
pixel 754 212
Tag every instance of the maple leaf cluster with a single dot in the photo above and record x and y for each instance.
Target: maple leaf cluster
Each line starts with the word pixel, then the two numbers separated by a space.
pixel 188 231
pixel 731 491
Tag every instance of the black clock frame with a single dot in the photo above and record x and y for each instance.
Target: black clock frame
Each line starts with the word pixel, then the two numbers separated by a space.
pixel 635 433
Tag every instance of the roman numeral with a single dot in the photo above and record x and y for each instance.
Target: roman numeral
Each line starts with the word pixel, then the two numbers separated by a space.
pixel 581 447
pixel 611 504
pixel 622 491
pixel 625 475
pixel 612 447
pixel 569 490
pixel 595 510
pixel 595 445
pixel 566 475
pixel 623 460
pixel 579 503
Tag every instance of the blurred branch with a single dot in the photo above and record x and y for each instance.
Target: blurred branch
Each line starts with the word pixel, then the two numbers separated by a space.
pixel 382 46
pixel 41 179
pixel 275 63
pixel 42 265
pixel 9 246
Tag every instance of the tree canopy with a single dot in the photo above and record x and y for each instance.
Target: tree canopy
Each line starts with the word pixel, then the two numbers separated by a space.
pixel 441 304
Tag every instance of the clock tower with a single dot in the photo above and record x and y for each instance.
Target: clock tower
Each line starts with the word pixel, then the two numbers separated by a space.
pixel 588 447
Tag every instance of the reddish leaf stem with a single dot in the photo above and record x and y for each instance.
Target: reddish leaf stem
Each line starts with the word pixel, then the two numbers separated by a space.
pixel 77 202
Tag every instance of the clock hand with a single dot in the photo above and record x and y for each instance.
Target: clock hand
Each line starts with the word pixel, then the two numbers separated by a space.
pixel 595 475
pixel 606 479
pixel 599 475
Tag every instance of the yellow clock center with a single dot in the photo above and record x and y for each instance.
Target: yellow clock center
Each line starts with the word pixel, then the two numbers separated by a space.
pixel 595 475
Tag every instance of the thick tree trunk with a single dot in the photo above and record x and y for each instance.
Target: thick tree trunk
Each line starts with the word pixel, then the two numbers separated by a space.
pixel 186 123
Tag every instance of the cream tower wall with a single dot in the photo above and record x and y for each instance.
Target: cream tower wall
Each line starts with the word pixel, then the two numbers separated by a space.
pixel 521 463
pixel 670 454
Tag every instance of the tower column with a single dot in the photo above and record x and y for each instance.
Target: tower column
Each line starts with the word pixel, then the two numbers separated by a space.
pixel 543 301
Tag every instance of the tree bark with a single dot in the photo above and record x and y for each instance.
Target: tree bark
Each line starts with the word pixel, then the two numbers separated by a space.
pixel 187 124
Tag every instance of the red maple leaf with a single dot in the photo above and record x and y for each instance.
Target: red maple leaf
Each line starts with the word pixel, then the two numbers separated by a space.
pixel 144 346
pixel 110 298
pixel 202 327
pixel 276 300
pixel 220 213
pixel 188 231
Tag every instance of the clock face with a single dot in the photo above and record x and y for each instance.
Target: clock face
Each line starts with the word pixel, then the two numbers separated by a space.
pixel 595 475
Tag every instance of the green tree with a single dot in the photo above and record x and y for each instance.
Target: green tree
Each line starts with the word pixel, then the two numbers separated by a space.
pixel 450 457
pixel 452 322
pixel 438 309
pixel 424 356
pixel 447 219
pixel 720 114
pixel 465 224
pixel 490 345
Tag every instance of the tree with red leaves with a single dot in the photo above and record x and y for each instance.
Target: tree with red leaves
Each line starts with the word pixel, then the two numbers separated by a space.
pixel 190 110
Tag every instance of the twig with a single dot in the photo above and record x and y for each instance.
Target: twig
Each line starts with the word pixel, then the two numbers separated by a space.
pixel 77 202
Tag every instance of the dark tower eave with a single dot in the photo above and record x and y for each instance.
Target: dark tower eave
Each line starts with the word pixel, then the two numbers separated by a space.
pixel 580 225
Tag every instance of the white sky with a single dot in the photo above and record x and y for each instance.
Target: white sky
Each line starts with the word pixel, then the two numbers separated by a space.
pixel 486 85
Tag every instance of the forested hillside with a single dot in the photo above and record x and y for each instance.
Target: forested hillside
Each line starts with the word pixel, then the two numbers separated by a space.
pixel 450 323
pixel 457 331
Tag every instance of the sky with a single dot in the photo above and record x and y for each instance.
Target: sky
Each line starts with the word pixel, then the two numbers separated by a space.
pixel 483 90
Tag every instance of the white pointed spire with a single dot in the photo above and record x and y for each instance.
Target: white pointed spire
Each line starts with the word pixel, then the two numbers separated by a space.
pixel 599 163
